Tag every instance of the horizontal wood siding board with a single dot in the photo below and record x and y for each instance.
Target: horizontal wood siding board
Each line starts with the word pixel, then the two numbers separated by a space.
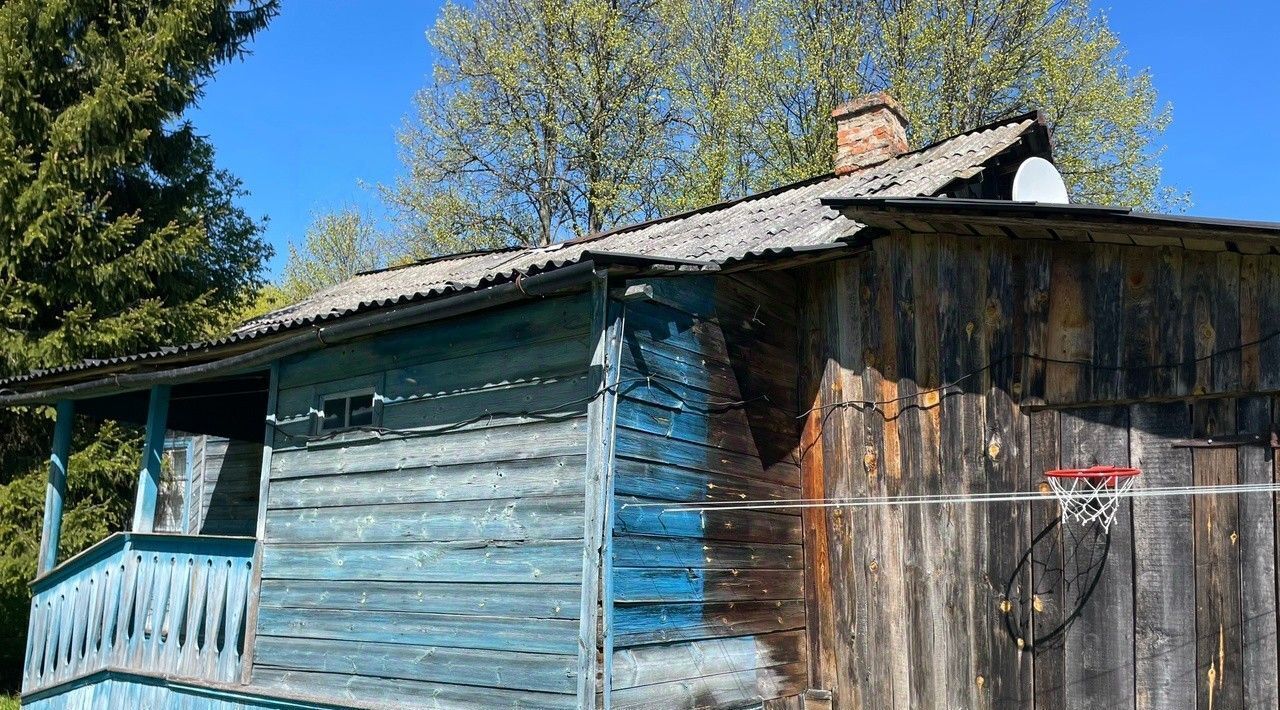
pixel 543 601
pixel 416 629
pixel 640 624
pixel 727 690
pixel 645 446
pixel 534 518
pixel 552 562
pixel 534 440
pixel 392 692
pixel 485 668
pixel 649 665
pixel 454 339
pixel 729 525
pixel 655 481
pixel 494 408
pixel 690 585
pixel 646 551
pixel 691 426
pixel 532 477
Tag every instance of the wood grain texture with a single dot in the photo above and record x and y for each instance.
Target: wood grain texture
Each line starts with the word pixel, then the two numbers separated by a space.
pixel 445 557
pixel 1164 605
pixel 1099 646
pixel 701 600
pixel 1219 645
pixel 1258 561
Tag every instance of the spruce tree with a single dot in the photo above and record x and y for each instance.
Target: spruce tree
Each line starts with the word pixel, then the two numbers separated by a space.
pixel 117 231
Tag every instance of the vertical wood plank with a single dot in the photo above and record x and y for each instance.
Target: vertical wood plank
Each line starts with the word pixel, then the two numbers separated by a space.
pixel 1168 314
pixel 56 489
pixel 1258 561
pixel 1269 315
pixel 1108 315
pixel 1009 672
pixel 1031 318
pixel 144 515
pixel 1219 649
pixel 1226 323
pixel 1141 323
pixel 260 528
pixel 599 465
pixel 1164 607
pixel 1197 335
pixel 1070 338
pixel 1250 323
pixel 819 597
pixel 1099 645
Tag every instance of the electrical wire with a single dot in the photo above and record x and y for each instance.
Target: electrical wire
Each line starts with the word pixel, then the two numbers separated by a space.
pixel 955 499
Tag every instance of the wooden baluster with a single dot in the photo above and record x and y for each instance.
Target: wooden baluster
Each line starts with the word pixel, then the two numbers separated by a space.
pixel 159 609
pixel 84 588
pixel 138 633
pixel 50 656
pixel 237 601
pixel 195 617
pixel 66 629
pixel 35 642
pixel 213 617
pixel 120 638
pixel 113 592
pixel 179 596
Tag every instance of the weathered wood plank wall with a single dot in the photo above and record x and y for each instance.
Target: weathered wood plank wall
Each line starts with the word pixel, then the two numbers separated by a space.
pixel 225 479
pixel 916 365
pixel 708 607
pixel 442 559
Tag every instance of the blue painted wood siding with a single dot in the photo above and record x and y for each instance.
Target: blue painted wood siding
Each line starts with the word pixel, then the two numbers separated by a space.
pixel 441 561
pixel 708 607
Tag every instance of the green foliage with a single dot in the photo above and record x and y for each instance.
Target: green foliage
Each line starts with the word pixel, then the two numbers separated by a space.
pixel 547 119
pixel 99 176
pixel 338 245
pixel 544 119
pixel 117 234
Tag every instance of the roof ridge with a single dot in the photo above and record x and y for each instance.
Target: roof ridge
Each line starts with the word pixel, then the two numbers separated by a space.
pixel 806 182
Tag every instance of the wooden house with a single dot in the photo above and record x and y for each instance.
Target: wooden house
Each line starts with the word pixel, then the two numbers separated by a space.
pixel 468 482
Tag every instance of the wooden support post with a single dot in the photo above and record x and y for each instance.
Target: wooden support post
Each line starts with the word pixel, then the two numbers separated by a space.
pixel 56 488
pixel 264 492
pixel 597 587
pixel 144 511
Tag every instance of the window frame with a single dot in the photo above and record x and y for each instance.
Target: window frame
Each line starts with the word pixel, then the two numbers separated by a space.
pixel 323 398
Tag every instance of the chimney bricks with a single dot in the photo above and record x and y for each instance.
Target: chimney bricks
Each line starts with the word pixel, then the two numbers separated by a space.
pixel 869 131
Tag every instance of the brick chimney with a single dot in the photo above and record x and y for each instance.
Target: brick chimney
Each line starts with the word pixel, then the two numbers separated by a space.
pixel 869 131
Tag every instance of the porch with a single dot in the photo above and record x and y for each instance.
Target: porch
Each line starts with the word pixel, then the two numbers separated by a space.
pixel 171 598
pixel 167 605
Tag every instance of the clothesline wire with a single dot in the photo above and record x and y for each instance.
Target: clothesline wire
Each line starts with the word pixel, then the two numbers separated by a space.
pixel 953 499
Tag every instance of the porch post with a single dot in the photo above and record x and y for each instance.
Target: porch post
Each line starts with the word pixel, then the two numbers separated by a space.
pixel 144 512
pixel 56 489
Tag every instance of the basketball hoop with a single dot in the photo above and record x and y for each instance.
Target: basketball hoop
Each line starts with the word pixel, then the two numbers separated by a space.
pixel 1093 494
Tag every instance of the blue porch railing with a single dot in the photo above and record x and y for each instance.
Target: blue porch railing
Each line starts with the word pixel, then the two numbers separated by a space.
pixel 164 605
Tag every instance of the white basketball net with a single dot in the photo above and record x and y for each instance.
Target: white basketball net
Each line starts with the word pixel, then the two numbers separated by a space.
pixel 1088 499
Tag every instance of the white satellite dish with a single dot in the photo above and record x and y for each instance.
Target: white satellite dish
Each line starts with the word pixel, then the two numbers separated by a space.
pixel 1038 181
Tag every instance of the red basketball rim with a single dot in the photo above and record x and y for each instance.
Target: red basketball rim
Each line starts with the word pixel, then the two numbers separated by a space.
pixel 1106 475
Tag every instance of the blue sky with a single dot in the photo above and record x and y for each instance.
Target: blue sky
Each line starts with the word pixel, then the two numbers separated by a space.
pixel 311 116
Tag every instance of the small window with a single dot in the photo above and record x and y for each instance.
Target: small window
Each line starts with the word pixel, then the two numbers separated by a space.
pixel 347 412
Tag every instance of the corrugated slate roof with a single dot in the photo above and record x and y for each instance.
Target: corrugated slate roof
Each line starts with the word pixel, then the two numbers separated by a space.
pixel 781 219
pixel 778 221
